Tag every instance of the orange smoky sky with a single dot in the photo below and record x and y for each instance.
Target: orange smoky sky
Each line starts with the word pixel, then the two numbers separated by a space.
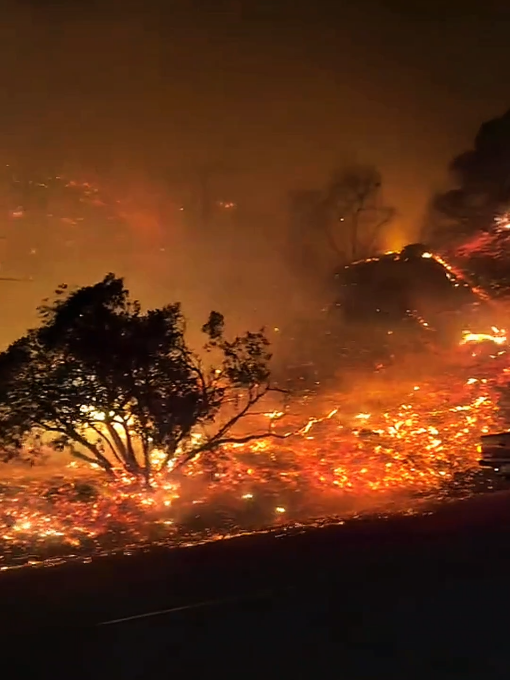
pixel 272 94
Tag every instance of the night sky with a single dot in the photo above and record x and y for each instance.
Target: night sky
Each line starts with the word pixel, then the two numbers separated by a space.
pixel 275 92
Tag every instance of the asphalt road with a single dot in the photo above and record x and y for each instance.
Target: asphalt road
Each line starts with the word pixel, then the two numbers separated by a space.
pixel 422 597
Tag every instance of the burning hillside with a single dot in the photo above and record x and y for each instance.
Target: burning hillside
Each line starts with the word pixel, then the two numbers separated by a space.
pixel 385 307
pixel 486 255
pixel 413 283
pixel 405 432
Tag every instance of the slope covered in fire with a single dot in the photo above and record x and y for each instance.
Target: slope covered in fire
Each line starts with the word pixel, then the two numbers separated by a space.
pixel 412 289
pixel 381 309
pixel 486 256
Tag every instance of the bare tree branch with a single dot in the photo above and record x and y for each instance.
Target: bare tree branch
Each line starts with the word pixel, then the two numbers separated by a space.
pixel 220 438
pixel 353 200
pixel 110 444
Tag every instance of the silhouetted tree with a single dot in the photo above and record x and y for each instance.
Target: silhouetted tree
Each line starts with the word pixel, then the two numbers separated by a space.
pixel 348 216
pixel 480 186
pixel 112 384
pixel 355 214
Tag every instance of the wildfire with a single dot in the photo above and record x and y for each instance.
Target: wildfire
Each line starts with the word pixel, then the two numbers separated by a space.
pixel 455 275
pixel 497 336
pixel 410 430
pixel 409 438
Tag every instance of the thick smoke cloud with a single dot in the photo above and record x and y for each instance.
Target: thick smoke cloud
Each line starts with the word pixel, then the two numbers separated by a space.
pixel 273 96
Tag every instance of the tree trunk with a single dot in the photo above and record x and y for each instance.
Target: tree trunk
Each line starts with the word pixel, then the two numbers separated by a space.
pixel 130 461
pixel 129 445
pixel 101 460
pixel 146 464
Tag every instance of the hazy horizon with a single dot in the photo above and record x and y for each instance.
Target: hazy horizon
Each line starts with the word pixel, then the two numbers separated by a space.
pixel 273 95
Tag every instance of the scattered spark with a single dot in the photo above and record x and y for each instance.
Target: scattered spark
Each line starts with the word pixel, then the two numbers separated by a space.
pixel 398 434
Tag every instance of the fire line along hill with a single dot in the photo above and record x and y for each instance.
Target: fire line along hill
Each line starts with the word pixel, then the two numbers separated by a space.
pixel 387 304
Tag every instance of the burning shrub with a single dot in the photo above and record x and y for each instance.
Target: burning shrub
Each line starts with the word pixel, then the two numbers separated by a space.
pixel 116 386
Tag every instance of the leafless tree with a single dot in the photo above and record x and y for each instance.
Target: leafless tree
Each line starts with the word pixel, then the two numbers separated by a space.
pixel 353 213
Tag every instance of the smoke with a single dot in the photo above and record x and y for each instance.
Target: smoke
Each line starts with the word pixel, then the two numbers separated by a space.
pixel 109 103
pixel 74 227
pixel 140 104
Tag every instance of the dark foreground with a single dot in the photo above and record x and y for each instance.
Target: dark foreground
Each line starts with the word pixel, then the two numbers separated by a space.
pixel 424 597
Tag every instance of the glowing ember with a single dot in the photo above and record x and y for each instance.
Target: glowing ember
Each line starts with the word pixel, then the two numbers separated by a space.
pixel 411 436
pixel 498 337
pixel 409 430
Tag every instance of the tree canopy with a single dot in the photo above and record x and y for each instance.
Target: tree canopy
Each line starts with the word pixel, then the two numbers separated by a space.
pixel 112 384
pixel 480 185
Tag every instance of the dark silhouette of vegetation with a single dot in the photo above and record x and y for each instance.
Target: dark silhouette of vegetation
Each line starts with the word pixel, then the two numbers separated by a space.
pixel 349 216
pixel 354 212
pixel 400 287
pixel 110 383
pixel 480 189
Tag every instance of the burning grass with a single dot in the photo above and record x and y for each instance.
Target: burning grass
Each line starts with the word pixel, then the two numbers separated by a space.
pixel 405 433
